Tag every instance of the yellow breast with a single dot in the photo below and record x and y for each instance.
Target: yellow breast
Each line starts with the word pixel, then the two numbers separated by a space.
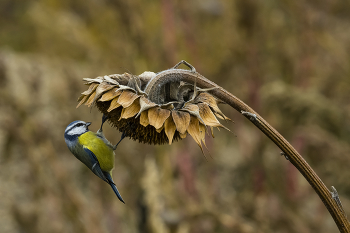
pixel 103 153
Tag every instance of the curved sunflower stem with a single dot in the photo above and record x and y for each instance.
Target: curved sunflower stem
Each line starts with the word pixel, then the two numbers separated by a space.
pixel 330 199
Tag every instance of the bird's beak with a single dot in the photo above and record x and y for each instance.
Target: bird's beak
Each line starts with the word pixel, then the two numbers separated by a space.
pixel 88 124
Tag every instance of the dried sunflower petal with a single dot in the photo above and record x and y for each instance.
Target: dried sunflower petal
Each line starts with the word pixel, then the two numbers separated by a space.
pixel 208 116
pixel 130 111
pixel 114 104
pixel 181 120
pixel 193 130
pixel 90 101
pixel 144 118
pixel 102 88
pixel 160 129
pixel 193 110
pixel 127 98
pixel 83 100
pixel 157 116
pixel 170 129
pixel 211 101
pixel 115 92
pixel 145 104
pixel 92 88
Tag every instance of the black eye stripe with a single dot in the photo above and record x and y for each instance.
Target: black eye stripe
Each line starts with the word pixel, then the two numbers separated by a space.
pixel 79 124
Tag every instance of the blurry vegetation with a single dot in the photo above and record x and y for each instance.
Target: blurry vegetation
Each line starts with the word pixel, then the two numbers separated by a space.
pixel 289 60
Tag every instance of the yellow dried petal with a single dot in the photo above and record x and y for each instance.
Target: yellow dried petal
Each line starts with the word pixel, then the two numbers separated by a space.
pixel 91 88
pixel 208 116
pixel 194 131
pixel 181 120
pixel 102 88
pixel 144 118
pixel 114 104
pixel 183 135
pixel 157 116
pixel 202 130
pixel 127 98
pixel 193 109
pixel 81 97
pixel 160 129
pixel 212 131
pixel 145 104
pixel 83 100
pixel 130 111
pixel 212 102
pixel 170 129
pixel 90 101
pixel 115 92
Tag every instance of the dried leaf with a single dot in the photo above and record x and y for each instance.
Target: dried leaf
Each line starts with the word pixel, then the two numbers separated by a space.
pixel 91 88
pixel 144 118
pixel 209 117
pixel 202 130
pixel 83 100
pixel 130 111
pixel 102 88
pixel 93 80
pixel 181 120
pixel 212 131
pixel 160 129
pixel 212 102
pixel 145 104
pixel 110 80
pixel 91 99
pixel 193 130
pixel 183 135
pixel 127 98
pixel 170 129
pixel 114 104
pixel 193 109
pixel 157 116
pixel 115 92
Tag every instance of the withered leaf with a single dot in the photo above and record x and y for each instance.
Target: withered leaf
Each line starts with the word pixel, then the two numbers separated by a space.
pixel 170 129
pixel 145 104
pixel 193 109
pixel 102 88
pixel 91 99
pixel 83 100
pixel 194 131
pixel 127 98
pixel 160 129
pixel 91 88
pixel 130 111
pixel 181 120
pixel 208 116
pixel 157 116
pixel 114 104
pixel 144 118
pixel 110 94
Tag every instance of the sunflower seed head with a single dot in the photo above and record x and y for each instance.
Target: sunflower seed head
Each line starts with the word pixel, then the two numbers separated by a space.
pixel 180 108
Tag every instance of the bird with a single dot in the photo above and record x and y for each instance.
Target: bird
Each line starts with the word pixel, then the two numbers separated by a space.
pixel 92 149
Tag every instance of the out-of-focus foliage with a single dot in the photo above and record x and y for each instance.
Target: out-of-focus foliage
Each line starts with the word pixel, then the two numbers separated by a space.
pixel 289 60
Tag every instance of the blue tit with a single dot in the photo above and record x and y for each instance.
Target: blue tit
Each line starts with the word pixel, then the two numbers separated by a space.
pixel 92 149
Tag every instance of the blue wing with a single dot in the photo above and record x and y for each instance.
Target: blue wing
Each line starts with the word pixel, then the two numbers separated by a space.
pixel 95 165
pixel 111 183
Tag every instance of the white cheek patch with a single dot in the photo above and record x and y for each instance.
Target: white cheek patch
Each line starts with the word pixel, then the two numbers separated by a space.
pixel 76 131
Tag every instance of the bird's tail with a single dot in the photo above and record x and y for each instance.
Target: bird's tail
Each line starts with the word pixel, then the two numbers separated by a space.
pixel 111 183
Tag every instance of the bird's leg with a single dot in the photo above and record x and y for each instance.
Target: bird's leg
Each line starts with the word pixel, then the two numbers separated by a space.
pixel 123 136
pixel 104 118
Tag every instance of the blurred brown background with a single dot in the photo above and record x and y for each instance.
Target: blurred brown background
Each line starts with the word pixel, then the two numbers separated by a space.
pixel 289 60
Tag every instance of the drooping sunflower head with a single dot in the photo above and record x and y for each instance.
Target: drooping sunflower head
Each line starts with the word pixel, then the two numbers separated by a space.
pixel 173 110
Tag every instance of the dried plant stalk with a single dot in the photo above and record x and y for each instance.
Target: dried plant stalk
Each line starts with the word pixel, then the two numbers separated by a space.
pixel 163 107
